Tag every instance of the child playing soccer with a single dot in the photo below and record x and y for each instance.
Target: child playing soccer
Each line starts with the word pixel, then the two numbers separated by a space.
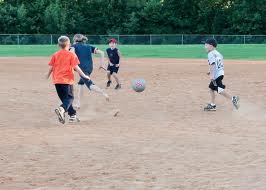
pixel 114 57
pixel 62 66
pixel 216 72
pixel 84 53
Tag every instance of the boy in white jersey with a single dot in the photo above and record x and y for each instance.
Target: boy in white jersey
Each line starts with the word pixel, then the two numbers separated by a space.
pixel 216 73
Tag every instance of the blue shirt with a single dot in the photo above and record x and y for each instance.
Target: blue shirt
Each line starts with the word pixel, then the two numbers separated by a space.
pixel 113 55
pixel 84 53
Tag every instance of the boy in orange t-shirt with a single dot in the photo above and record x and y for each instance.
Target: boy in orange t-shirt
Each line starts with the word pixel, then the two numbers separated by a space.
pixel 62 66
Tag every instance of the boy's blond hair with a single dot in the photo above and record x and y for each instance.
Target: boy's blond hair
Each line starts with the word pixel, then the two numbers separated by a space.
pixel 80 38
pixel 63 41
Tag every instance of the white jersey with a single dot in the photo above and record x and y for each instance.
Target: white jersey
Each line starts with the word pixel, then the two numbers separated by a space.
pixel 214 57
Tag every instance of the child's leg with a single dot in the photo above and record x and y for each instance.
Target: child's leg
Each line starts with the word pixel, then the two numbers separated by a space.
pixel 108 76
pixel 212 93
pixel 79 95
pixel 108 84
pixel 97 89
pixel 211 106
pixel 109 73
pixel 115 75
pixel 71 110
pixel 226 95
pixel 65 93
pixel 234 99
pixel 221 90
pixel 91 86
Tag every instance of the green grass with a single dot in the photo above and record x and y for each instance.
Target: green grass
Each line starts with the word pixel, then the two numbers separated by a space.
pixel 250 52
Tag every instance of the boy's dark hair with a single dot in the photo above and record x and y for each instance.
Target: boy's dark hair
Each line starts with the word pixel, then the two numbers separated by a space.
pixel 212 42
pixel 62 41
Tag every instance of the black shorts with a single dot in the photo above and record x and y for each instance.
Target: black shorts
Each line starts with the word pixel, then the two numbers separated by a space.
pixel 112 69
pixel 217 84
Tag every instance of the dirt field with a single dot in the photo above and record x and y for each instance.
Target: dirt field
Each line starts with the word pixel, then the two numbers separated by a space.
pixel 161 139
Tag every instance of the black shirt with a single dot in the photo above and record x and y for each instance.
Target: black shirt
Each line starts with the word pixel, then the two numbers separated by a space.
pixel 113 55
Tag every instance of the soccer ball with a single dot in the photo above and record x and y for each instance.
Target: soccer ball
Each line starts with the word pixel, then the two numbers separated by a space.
pixel 138 85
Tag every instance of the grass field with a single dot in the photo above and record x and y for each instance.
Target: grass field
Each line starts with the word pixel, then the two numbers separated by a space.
pixel 247 52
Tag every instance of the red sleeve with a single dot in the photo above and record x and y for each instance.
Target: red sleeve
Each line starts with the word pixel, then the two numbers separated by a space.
pixel 52 61
pixel 74 60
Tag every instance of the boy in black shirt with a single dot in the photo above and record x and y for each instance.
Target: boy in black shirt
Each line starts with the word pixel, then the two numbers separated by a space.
pixel 114 57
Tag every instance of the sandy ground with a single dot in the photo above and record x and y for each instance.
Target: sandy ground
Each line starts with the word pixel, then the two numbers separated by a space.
pixel 160 140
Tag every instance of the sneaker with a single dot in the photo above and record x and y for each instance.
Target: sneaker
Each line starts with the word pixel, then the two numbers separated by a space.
pixel 108 84
pixel 210 107
pixel 60 112
pixel 73 119
pixel 235 101
pixel 118 86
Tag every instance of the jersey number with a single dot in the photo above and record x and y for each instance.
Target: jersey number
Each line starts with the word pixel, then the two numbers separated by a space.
pixel 219 63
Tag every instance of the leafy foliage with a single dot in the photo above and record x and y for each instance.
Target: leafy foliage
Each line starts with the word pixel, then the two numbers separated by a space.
pixel 133 16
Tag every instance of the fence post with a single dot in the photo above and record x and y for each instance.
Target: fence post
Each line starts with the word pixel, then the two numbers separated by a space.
pixel 244 39
pixel 17 39
pixel 118 38
pixel 182 41
pixel 51 39
pixel 150 39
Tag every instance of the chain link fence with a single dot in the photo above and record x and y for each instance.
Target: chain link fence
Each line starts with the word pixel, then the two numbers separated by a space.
pixel 176 39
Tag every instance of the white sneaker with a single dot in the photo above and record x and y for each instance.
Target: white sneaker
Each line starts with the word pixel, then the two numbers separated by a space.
pixel 60 112
pixel 74 119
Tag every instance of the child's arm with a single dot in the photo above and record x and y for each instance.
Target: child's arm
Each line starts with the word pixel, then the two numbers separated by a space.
pixel 110 63
pixel 97 51
pixel 120 58
pixel 49 72
pixel 80 72
pixel 212 69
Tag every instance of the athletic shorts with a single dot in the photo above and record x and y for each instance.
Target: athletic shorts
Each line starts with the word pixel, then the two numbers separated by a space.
pixel 112 69
pixel 217 84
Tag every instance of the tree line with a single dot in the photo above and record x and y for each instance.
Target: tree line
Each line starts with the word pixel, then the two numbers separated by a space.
pixel 133 16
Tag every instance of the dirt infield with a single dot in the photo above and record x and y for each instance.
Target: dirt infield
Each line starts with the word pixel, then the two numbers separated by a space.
pixel 160 140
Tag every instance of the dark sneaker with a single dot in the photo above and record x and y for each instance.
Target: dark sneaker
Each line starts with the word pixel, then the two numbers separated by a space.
pixel 235 101
pixel 210 107
pixel 60 112
pixel 118 86
pixel 108 84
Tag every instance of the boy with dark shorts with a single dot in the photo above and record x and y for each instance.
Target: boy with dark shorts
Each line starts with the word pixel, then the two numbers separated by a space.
pixel 114 57
pixel 62 66
pixel 216 72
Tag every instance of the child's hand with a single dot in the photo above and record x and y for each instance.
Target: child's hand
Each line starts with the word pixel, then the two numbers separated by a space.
pixel 111 64
pixel 117 65
pixel 47 76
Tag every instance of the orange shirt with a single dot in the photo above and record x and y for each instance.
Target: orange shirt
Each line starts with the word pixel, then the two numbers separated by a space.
pixel 63 63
